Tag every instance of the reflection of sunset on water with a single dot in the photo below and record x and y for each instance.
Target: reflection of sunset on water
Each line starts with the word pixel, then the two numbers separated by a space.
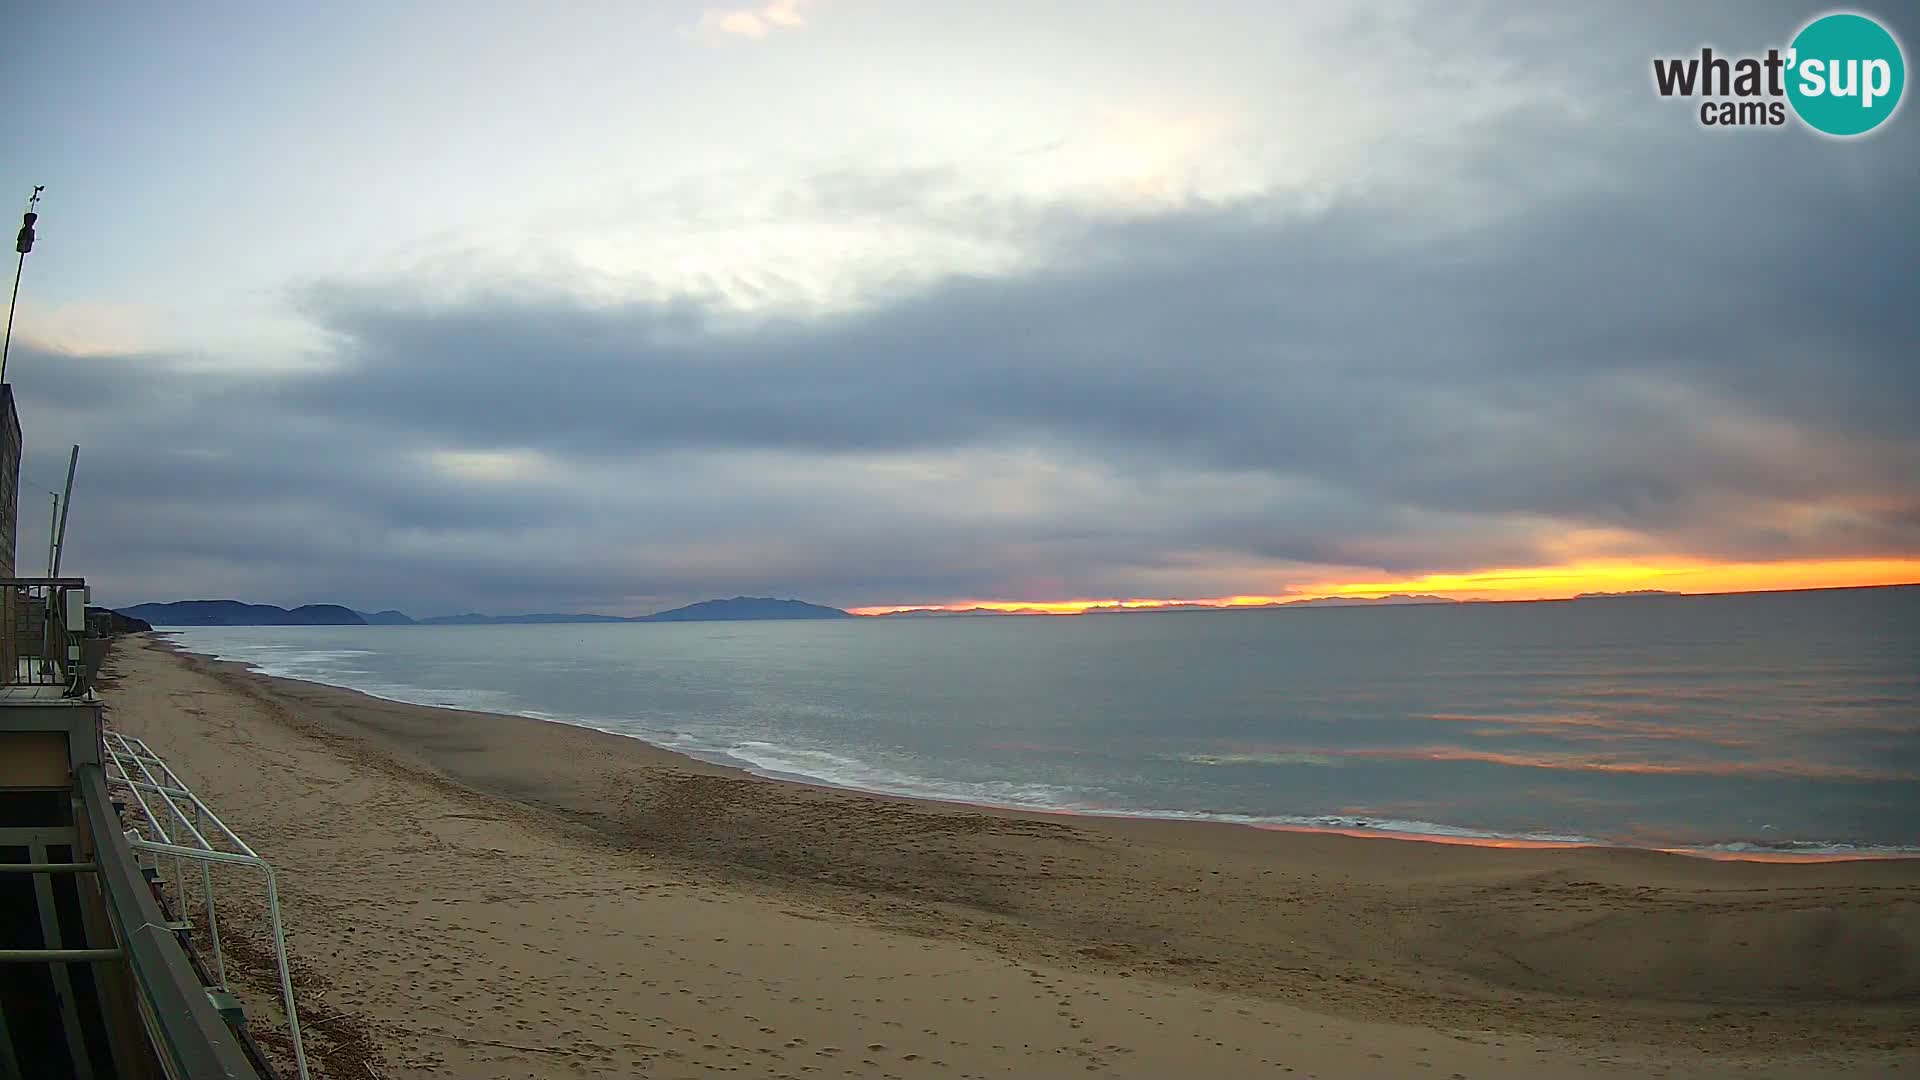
pixel 1596 763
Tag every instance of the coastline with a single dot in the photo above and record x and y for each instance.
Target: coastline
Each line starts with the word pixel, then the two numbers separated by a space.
pixel 1328 824
pixel 1476 957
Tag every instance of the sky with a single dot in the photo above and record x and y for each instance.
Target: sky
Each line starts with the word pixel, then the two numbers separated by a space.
pixel 452 307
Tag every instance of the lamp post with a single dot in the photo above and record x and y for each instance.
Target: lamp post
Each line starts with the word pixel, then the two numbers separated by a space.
pixel 22 244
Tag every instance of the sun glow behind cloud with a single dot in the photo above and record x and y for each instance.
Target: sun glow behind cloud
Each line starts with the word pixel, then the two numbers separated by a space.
pixel 757 22
pixel 791 265
pixel 1676 575
pixel 1146 157
pixel 1528 583
pixel 490 466
pixel 807 239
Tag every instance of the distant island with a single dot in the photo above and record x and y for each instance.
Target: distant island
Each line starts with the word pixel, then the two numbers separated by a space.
pixel 1396 600
pixel 1622 595
pixel 235 613
pixel 736 609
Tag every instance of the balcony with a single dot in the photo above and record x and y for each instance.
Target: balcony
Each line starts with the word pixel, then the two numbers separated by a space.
pixel 97 975
pixel 46 651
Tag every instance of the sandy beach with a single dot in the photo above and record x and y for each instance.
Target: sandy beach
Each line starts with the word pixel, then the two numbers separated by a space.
pixel 488 896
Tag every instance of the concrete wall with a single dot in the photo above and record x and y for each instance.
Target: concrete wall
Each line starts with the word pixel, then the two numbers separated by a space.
pixel 9 480
pixel 9 532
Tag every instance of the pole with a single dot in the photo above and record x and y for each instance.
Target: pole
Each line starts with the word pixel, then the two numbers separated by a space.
pixel 11 304
pixel 53 531
pixel 23 245
pixel 66 504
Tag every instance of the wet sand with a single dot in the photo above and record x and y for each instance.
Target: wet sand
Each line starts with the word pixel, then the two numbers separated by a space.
pixel 477 895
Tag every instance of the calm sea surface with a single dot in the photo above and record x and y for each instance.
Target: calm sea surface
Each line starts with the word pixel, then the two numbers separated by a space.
pixel 1785 722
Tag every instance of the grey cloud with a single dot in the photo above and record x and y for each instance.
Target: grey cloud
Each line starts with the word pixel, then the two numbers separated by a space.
pixel 1240 342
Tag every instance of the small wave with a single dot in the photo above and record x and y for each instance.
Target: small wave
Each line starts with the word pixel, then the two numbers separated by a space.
pixel 1353 823
pixel 442 697
pixel 324 667
pixel 837 770
pixel 1825 849
pixel 319 661
pixel 1321 760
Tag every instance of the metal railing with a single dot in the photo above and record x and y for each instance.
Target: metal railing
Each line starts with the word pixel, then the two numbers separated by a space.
pixel 43 630
pixel 188 1036
pixel 180 824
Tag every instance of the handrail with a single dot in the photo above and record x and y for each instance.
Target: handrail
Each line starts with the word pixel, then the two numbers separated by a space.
pixel 122 750
pixel 185 1028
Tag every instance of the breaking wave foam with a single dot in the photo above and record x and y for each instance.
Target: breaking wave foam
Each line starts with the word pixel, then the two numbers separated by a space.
pixel 1817 849
pixel 1322 760
pixel 837 770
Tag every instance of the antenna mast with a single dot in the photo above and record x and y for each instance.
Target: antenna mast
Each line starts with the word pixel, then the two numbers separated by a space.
pixel 66 504
pixel 22 244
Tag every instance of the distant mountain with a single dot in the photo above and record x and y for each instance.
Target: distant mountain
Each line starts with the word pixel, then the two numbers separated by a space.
pixel 119 622
pixel 1123 609
pixel 235 613
pixel 744 608
pixel 738 608
pixel 475 619
pixel 964 613
pixel 1396 600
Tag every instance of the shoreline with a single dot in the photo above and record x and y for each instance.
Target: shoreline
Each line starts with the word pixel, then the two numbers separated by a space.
pixel 493 895
pixel 1440 832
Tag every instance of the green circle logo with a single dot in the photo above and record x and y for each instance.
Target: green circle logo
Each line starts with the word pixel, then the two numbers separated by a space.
pixel 1845 74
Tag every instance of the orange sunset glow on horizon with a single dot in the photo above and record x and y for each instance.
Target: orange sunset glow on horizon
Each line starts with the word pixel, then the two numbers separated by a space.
pixel 1689 576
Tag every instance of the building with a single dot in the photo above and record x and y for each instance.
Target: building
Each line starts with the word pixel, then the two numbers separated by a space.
pixel 97 978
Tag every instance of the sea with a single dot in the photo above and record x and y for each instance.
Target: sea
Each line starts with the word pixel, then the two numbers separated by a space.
pixel 1777 725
